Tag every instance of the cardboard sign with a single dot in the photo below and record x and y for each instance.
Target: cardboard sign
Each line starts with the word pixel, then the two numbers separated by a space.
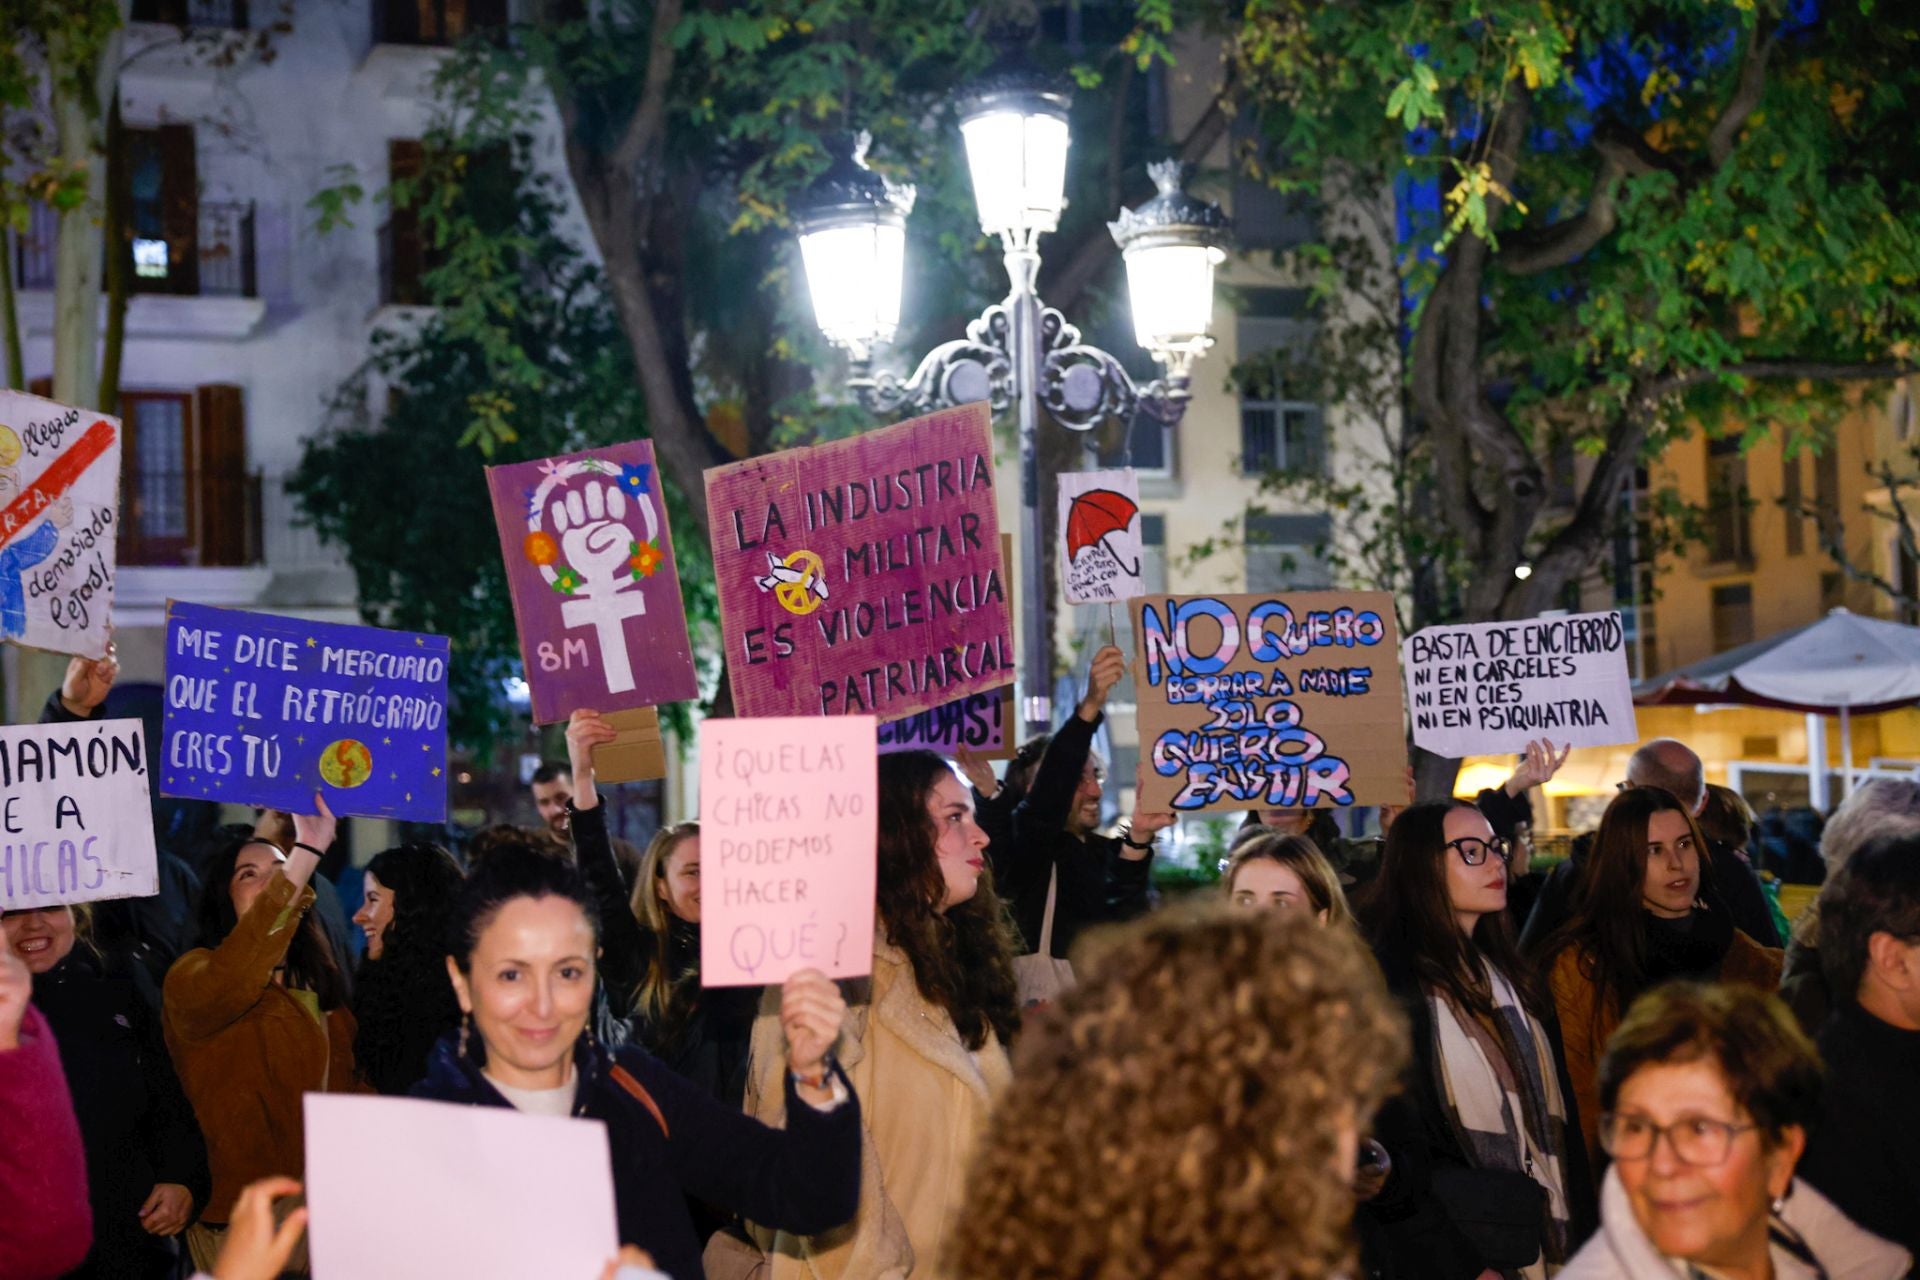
pixel 78 827
pixel 483 1193
pixel 59 519
pixel 1491 687
pixel 787 848
pixel 863 577
pixel 596 598
pixel 1269 701
pixel 977 722
pixel 637 753
pixel 1100 541
pixel 268 710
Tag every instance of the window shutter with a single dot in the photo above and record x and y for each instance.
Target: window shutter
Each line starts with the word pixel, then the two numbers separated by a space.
pixel 405 250
pixel 180 207
pixel 40 387
pixel 227 508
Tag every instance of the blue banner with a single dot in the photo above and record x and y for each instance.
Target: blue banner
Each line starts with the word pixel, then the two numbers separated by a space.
pixel 267 710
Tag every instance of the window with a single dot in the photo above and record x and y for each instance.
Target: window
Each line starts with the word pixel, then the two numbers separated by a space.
pixel 1728 539
pixel 161 179
pixel 404 256
pixel 1732 616
pixel 435 21
pixel 1280 436
pixel 1153 553
pixel 1284 553
pixel 186 497
pixel 216 14
pixel 1826 491
pixel 1280 429
pixel 1263 218
pixel 1792 499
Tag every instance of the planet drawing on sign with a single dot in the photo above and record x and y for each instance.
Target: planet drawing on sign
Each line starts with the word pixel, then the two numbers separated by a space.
pixel 1095 516
pixel 346 763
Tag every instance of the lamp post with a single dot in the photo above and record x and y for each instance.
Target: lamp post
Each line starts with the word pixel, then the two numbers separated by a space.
pixel 1020 353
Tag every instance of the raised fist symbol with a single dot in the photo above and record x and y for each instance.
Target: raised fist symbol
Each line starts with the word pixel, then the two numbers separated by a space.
pixel 594 537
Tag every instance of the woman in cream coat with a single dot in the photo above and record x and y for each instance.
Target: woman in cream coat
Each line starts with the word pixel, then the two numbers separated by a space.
pixel 924 1045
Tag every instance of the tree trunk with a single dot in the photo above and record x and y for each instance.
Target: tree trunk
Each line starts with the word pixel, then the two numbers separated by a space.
pixel 119 246
pixel 16 363
pixel 79 126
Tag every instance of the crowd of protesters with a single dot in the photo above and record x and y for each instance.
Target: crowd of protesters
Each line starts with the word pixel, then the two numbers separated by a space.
pixel 1401 1058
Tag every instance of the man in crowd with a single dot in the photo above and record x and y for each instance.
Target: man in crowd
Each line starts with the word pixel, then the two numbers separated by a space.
pixel 552 790
pixel 1865 1153
pixel 1672 766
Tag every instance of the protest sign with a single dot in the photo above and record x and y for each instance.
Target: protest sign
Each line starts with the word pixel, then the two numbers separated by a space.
pixel 863 576
pixel 1269 701
pixel 268 710
pixel 787 823
pixel 1491 687
pixel 59 517
pixel 976 723
pixel 1100 542
pixel 77 823
pixel 590 568
pixel 637 752
pixel 483 1193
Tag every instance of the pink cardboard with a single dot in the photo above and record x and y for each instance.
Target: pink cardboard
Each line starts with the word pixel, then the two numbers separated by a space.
pixel 787 831
pixel 863 576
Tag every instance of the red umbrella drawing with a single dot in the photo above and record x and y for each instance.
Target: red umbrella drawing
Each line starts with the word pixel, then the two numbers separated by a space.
pixel 1095 516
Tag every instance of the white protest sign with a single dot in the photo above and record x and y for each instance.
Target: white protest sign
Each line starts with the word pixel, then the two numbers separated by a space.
pixel 59 512
pixel 1100 536
pixel 1489 688
pixel 73 805
pixel 483 1193
pixel 788 847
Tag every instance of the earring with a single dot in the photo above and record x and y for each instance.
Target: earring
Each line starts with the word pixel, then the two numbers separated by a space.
pixel 466 1026
pixel 1779 1205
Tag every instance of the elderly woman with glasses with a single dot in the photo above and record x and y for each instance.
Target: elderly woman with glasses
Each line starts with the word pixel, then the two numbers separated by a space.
pixel 1706 1094
pixel 1489 1178
pixel 1646 911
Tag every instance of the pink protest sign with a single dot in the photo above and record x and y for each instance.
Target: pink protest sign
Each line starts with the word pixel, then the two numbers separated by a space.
pixel 595 596
pixel 863 576
pixel 787 829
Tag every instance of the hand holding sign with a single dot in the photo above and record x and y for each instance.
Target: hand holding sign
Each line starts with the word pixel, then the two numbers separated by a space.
pixel 585 731
pixel 255 1249
pixel 1538 764
pixel 811 1010
pixel 88 682
pixel 1108 666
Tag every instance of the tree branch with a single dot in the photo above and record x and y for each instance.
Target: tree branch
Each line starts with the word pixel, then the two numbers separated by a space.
pixel 1811 370
pixel 1746 96
pixel 643 131
pixel 1622 153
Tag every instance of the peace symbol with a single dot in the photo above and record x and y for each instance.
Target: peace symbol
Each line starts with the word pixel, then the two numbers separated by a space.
pixel 799 598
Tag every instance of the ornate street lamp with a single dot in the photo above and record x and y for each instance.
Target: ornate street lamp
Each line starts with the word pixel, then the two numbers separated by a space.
pixel 1020 353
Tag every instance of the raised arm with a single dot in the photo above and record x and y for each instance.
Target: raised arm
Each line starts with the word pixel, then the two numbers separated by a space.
pixel 1050 798
pixel 209 989
pixel 623 955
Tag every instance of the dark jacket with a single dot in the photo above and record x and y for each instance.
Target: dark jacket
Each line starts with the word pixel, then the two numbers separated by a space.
pixel 1406 1226
pixel 1803 982
pixel 708 1043
pixel 135 1122
pixel 1096 884
pixel 804 1178
pixel 1864 1155
pixel 1733 878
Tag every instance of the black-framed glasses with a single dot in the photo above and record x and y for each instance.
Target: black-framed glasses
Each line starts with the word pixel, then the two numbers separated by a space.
pixel 1696 1140
pixel 1473 850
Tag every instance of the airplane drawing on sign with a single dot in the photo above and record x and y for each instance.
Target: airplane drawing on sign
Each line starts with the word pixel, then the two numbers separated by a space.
pixel 779 575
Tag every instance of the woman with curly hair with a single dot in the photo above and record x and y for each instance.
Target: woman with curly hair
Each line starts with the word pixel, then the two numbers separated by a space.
pixel 401 997
pixel 1489 1174
pixel 1196 1112
pixel 924 1041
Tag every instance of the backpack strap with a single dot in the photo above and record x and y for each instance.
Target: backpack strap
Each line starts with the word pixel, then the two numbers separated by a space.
pixel 625 1079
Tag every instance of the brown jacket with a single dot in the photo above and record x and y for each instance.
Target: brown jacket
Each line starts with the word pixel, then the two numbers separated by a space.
pixel 247 1049
pixel 924 1100
pixel 1585 1036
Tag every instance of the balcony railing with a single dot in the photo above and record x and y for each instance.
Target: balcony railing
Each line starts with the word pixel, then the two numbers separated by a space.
pixel 219 263
pixel 215 15
pixel 434 22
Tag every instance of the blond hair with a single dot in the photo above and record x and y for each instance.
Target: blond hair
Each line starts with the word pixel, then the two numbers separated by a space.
pixel 1303 857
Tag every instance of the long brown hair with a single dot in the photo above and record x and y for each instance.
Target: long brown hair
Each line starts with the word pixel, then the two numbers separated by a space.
pixel 656 995
pixel 962 957
pixel 1406 911
pixel 311 964
pixel 1607 926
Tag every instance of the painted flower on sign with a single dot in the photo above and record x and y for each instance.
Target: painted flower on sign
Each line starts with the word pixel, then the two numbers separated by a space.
pixel 636 478
pixel 645 559
pixel 566 579
pixel 540 548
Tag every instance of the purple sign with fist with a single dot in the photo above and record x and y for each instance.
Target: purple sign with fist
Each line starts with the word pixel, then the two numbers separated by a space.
pixel 595 595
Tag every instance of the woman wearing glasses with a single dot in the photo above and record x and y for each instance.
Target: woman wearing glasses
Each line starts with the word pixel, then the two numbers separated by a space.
pixel 1707 1094
pixel 1646 912
pixel 1488 1178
